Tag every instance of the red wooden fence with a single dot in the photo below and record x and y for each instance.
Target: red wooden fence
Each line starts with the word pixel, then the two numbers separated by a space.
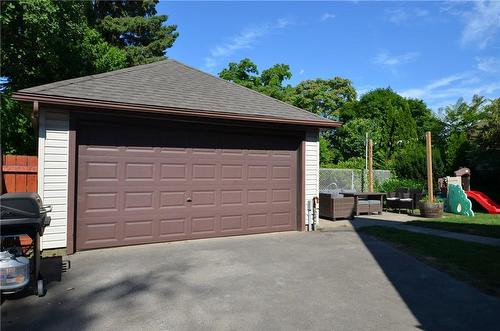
pixel 19 173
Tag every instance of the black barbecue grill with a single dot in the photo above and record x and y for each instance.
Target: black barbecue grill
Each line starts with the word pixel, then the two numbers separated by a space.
pixel 22 214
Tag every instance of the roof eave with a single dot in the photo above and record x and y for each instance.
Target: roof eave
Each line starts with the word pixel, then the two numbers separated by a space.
pixel 57 100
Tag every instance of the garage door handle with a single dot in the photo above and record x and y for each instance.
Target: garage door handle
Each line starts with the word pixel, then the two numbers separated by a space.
pixel 189 199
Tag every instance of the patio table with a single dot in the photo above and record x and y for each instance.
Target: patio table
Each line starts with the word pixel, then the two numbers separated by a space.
pixel 369 195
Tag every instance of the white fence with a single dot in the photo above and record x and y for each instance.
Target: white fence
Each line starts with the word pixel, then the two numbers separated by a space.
pixel 352 179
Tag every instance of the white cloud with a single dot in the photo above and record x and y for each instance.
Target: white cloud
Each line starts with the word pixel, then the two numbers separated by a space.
pixel 482 23
pixel 301 72
pixel 488 64
pixel 327 16
pixel 389 60
pixel 400 15
pixel 246 39
pixel 446 81
pixel 449 89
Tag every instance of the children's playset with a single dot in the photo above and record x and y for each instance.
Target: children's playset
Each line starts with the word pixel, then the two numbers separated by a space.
pixel 459 196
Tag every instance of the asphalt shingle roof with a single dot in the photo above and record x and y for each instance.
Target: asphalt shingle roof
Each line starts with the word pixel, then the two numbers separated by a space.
pixel 172 84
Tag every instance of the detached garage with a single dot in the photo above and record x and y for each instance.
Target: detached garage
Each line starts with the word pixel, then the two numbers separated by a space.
pixel 164 152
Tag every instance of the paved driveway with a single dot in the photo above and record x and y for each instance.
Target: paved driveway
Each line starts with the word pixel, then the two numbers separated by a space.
pixel 285 281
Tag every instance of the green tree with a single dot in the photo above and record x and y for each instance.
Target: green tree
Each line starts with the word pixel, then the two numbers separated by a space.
pixel 134 27
pixel 16 130
pixel 44 41
pixel 270 82
pixel 472 133
pixel 410 163
pixel 425 119
pixel 326 154
pixel 324 97
pixel 488 133
pixel 351 137
pixel 462 127
pixel 388 112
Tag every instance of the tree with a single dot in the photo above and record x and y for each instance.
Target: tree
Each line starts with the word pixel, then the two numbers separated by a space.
pixel 17 133
pixel 352 135
pixel 410 163
pixel 44 41
pixel 65 45
pixel 134 27
pixel 324 97
pixel 489 130
pixel 326 155
pixel 270 82
pixel 426 120
pixel 389 113
pixel 244 73
pixel 472 133
pixel 462 124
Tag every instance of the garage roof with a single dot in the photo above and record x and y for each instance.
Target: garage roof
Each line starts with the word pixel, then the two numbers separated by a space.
pixel 171 87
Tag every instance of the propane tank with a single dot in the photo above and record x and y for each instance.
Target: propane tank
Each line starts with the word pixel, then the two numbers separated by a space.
pixel 14 272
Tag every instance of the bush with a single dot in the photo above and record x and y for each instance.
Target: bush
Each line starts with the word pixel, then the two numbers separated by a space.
pixel 352 163
pixel 391 184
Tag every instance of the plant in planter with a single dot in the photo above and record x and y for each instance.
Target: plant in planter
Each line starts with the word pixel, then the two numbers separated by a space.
pixel 431 209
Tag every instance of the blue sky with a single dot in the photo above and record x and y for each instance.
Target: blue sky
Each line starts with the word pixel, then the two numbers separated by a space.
pixel 435 51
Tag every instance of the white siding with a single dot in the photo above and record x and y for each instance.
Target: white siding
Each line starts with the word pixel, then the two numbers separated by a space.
pixel 53 144
pixel 311 166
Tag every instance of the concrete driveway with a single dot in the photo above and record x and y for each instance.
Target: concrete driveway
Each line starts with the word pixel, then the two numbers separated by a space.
pixel 286 281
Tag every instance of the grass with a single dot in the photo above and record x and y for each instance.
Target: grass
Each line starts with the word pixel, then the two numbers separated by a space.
pixel 476 264
pixel 487 225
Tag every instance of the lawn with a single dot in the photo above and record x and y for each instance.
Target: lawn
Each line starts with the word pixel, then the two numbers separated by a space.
pixel 481 224
pixel 476 264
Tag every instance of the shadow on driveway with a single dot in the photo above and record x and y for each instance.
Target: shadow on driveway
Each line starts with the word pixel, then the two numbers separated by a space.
pixel 285 281
pixel 438 303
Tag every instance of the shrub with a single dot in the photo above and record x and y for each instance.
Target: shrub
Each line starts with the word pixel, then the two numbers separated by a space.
pixel 391 184
pixel 352 163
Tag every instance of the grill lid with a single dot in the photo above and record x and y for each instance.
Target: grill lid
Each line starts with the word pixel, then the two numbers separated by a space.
pixel 26 205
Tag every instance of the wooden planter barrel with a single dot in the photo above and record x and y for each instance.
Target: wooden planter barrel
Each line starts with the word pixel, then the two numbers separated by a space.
pixel 431 210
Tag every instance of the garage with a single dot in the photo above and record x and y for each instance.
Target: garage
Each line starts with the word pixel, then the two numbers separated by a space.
pixel 168 182
pixel 164 152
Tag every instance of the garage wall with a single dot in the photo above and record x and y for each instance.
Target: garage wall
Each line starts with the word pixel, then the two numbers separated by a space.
pixel 53 144
pixel 312 166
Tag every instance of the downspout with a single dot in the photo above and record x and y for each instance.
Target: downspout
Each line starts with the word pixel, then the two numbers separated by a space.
pixel 315 213
pixel 309 215
pixel 34 117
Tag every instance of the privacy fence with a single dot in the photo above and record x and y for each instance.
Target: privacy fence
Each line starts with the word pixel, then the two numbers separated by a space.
pixel 18 173
pixel 350 179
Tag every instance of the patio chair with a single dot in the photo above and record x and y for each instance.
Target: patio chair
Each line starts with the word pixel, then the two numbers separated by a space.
pixel 391 201
pixel 333 205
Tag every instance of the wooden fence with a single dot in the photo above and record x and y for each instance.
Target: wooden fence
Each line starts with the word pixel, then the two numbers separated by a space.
pixel 19 173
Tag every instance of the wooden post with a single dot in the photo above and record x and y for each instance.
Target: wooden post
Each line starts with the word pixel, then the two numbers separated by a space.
pixel 370 165
pixel 428 143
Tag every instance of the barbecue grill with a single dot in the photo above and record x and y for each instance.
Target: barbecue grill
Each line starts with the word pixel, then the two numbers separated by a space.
pixel 22 222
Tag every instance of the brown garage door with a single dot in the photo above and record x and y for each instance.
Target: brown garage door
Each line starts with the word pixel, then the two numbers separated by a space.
pixel 143 184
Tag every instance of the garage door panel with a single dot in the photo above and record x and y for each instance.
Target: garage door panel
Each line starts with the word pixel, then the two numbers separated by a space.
pixel 173 228
pixel 173 200
pixel 257 221
pixel 280 219
pixel 176 172
pixel 204 225
pixel 138 201
pixel 201 184
pixel 138 230
pixel 101 232
pixel 101 202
